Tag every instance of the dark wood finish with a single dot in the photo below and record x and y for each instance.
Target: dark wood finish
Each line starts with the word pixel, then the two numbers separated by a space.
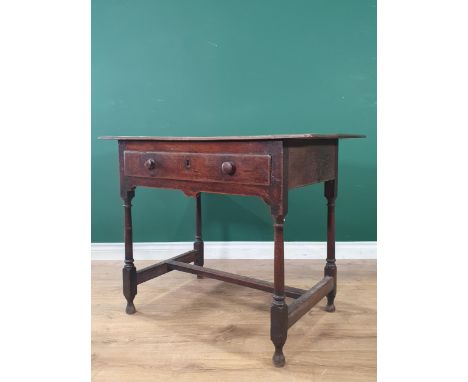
pixel 129 271
pixel 198 245
pixel 318 159
pixel 267 151
pixel 262 166
pixel 279 309
pixel 309 299
pixel 232 278
pixel 161 268
pixel 330 267
pixel 229 168
pixel 199 167
pixel 281 137
pixel 150 164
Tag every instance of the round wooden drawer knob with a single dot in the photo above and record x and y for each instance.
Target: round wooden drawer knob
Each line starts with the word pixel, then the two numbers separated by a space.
pixel 228 168
pixel 150 164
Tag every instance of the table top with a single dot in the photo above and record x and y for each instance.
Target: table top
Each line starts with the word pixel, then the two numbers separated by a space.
pixel 237 137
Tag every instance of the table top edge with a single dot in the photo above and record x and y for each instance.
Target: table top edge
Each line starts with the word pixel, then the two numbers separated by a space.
pixel 234 138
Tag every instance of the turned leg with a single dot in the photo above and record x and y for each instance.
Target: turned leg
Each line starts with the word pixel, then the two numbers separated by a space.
pixel 129 270
pixel 330 267
pixel 279 309
pixel 198 244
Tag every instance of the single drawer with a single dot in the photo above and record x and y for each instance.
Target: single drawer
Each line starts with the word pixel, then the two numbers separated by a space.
pixel 251 169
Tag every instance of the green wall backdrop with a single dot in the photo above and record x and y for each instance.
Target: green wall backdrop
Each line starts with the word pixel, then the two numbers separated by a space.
pixel 233 67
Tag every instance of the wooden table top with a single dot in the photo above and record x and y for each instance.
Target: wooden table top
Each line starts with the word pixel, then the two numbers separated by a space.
pixel 237 137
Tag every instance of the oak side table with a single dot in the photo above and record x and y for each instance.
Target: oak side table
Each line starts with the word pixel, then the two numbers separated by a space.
pixel 264 166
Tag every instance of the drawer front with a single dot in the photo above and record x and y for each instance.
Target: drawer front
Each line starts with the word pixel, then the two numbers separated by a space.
pixel 251 169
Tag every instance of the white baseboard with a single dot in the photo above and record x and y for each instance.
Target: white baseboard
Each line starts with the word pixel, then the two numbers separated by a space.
pixel 236 250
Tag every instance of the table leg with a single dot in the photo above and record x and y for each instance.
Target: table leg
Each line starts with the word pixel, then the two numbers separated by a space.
pixel 129 271
pixel 279 309
pixel 198 244
pixel 330 267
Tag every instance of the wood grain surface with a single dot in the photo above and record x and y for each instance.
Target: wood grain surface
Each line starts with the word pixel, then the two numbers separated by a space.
pixel 189 329
pixel 199 167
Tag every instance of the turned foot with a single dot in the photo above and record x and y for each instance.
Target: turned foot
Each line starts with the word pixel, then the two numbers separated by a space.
pixel 278 358
pixel 330 308
pixel 130 309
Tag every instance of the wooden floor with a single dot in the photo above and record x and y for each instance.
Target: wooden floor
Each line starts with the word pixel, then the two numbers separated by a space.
pixel 189 329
